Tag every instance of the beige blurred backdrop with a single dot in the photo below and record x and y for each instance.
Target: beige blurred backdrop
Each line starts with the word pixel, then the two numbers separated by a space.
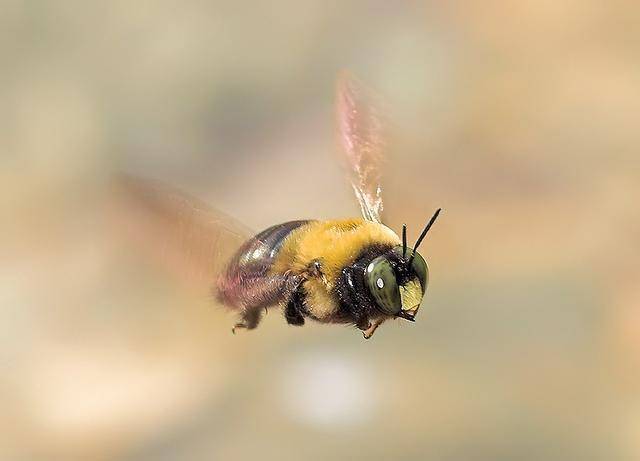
pixel 519 118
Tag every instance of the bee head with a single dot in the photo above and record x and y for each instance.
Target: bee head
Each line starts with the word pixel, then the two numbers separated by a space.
pixel 397 279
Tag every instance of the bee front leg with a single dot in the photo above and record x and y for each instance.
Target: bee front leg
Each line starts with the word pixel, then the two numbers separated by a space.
pixel 359 314
pixel 368 333
pixel 363 323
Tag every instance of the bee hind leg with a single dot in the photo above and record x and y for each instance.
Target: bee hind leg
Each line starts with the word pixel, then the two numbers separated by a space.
pixel 250 319
pixel 258 294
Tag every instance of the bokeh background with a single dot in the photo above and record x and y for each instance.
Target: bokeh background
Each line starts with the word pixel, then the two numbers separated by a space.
pixel 519 118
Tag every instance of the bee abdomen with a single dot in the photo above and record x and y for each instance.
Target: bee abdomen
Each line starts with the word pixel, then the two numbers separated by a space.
pixel 246 281
pixel 262 249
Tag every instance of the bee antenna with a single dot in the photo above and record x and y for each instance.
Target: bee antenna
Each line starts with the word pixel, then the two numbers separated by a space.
pixel 423 235
pixel 404 241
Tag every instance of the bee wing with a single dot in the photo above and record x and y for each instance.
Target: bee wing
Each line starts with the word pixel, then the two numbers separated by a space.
pixel 190 239
pixel 362 143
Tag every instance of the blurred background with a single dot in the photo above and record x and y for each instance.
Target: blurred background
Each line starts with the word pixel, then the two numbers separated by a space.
pixel 520 119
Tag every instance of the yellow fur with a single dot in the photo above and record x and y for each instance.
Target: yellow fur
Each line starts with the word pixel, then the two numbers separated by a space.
pixel 335 244
pixel 411 296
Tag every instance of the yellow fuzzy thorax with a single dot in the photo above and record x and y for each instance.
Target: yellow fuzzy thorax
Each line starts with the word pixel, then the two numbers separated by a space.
pixel 335 244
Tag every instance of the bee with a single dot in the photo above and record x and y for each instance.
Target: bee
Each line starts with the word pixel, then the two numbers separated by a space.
pixel 347 271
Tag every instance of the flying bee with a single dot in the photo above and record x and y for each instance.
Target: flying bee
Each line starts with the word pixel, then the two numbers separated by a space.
pixel 351 271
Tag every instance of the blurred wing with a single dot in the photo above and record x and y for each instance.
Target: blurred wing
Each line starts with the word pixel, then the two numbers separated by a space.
pixel 193 241
pixel 360 134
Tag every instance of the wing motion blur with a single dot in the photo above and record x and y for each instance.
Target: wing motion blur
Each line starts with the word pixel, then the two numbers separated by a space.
pixel 362 142
pixel 192 240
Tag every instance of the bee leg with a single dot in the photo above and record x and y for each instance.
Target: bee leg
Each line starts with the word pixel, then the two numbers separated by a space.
pixel 236 326
pixel 368 333
pixel 250 319
pixel 363 323
pixel 314 269
pixel 360 315
pixel 262 293
pixel 294 309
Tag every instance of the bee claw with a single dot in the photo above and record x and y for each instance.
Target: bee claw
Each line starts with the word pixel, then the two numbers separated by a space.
pixel 238 325
pixel 368 333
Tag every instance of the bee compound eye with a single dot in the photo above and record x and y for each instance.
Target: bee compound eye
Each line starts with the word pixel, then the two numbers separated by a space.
pixel 419 266
pixel 381 282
